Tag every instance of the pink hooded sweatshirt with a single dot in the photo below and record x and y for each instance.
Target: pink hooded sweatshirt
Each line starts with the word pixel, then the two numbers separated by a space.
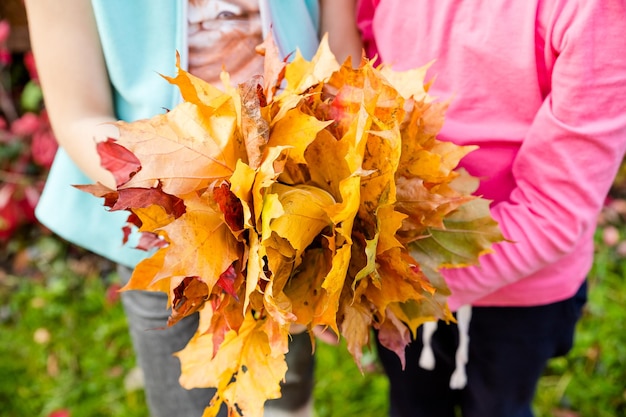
pixel 540 87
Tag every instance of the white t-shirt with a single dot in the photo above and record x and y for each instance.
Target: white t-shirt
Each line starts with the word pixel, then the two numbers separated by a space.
pixel 223 36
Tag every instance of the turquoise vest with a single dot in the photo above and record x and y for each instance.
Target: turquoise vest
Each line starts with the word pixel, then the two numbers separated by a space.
pixel 139 39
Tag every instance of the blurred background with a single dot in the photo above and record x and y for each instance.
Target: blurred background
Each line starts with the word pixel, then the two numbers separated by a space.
pixel 64 346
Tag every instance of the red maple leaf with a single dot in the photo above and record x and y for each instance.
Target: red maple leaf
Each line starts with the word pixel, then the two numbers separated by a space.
pixel 121 162
pixel 146 197
pixel 230 205
pixel 226 281
pixel 189 297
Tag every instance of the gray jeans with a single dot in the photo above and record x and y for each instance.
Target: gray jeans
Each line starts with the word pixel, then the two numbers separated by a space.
pixel 154 345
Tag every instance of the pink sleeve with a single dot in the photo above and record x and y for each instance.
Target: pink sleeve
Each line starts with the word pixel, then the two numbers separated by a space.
pixel 365 18
pixel 569 156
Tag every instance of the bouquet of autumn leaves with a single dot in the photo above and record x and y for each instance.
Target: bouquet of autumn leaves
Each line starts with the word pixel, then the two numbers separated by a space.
pixel 316 195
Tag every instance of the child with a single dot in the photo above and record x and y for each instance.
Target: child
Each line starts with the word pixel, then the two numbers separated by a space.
pixel 99 62
pixel 540 86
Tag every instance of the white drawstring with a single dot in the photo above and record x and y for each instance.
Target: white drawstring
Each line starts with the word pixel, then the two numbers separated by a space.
pixel 427 357
pixel 458 380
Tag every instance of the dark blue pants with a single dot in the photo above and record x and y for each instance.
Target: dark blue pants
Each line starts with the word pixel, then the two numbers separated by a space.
pixel 508 351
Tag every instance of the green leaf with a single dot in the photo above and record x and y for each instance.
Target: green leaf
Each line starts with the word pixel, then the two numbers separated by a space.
pixel 31 98
pixel 468 233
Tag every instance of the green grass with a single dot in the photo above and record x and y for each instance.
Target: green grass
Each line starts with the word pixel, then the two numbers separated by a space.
pixel 591 380
pixel 342 390
pixel 64 346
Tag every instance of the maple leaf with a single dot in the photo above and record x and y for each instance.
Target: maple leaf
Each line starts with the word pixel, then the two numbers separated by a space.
pixel 301 74
pixel 394 335
pixel 227 281
pixel 247 368
pixel 273 66
pixel 468 232
pixel 193 89
pixel 297 130
pixel 424 206
pixel 143 275
pixel 230 205
pixel 189 296
pixel 255 128
pixel 100 190
pixel 149 241
pixel 309 300
pixel 153 217
pixel 121 162
pixel 201 244
pixel 303 215
pixel 318 196
pixel 132 198
pixel 356 325
pixel 197 137
pixel 410 83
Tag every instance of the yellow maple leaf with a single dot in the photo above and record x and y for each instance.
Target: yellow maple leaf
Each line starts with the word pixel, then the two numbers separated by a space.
pixel 301 74
pixel 247 369
pixel 200 245
pixel 184 136
pixel 296 130
pixel 303 214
